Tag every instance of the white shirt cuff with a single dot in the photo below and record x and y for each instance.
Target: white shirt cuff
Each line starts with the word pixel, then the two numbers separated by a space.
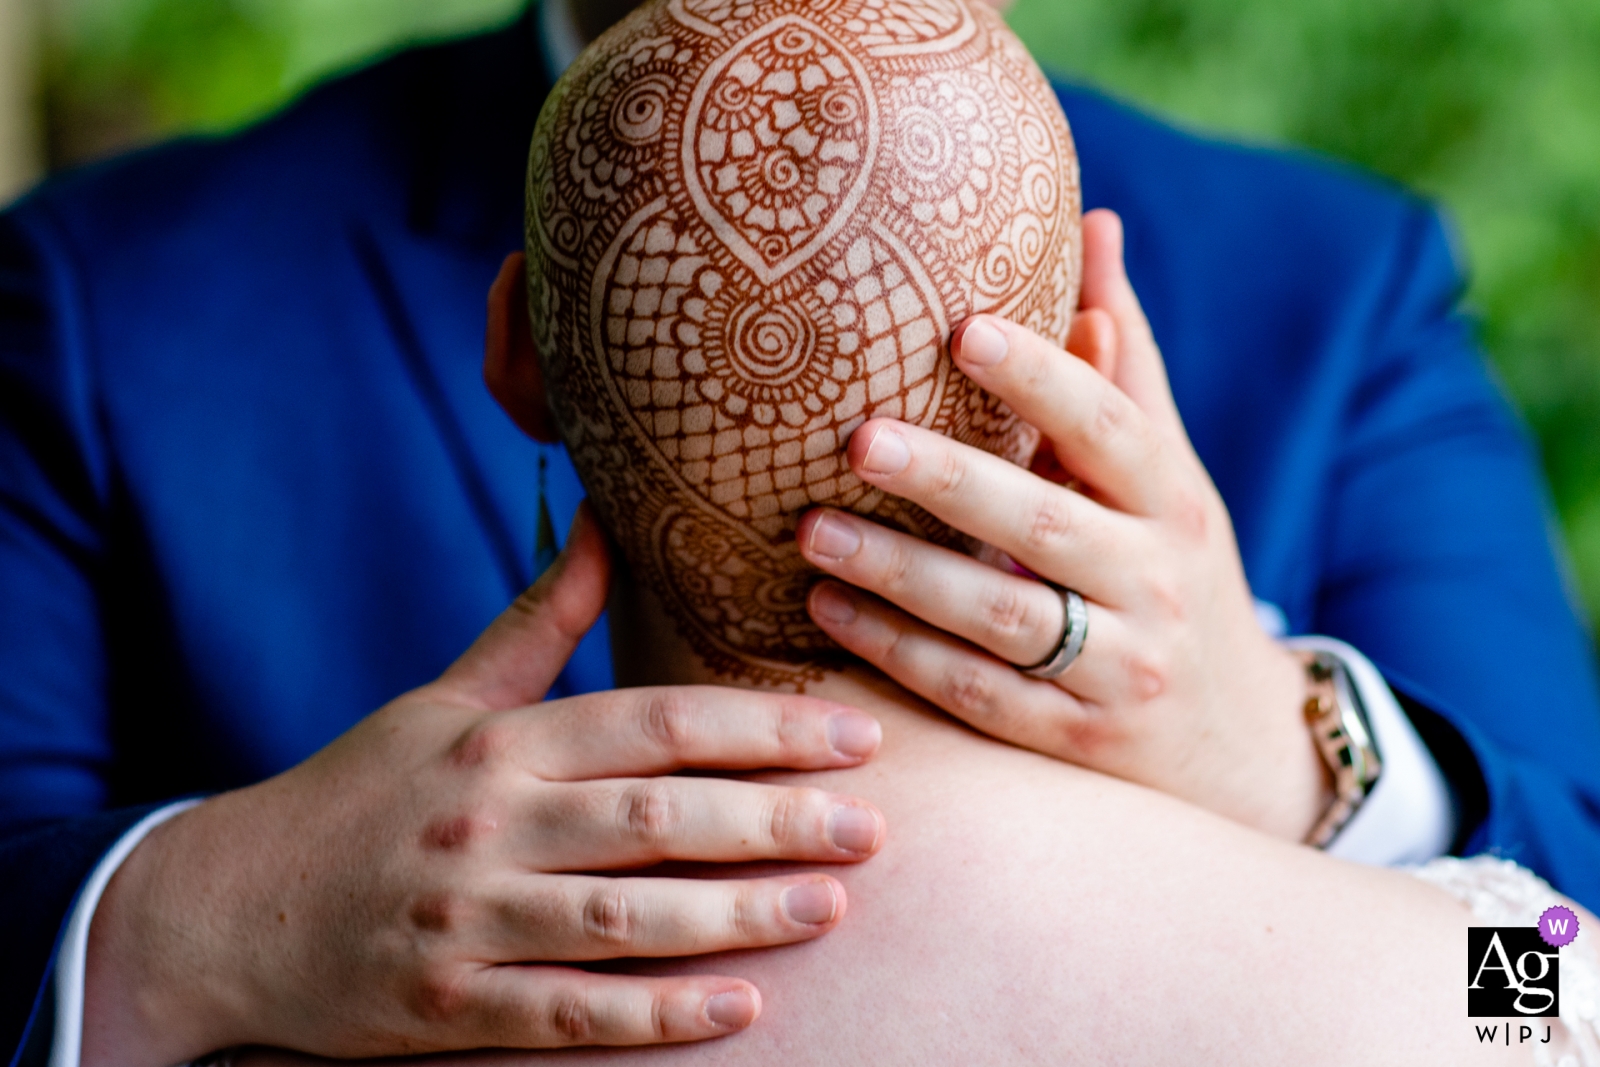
pixel 1408 817
pixel 66 1047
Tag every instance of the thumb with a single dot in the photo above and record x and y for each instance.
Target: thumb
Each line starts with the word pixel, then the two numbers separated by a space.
pixel 515 661
pixel 1138 368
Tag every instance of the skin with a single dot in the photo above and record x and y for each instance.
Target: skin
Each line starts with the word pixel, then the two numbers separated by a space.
pixel 387 895
pixel 1177 687
pixel 1029 911
pixel 1026 911
pixel 207 935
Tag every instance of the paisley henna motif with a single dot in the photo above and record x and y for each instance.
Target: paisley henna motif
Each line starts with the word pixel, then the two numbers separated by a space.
pixel 752 225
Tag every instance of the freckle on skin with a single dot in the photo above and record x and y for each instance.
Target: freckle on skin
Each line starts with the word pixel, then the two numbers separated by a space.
pixel 283 917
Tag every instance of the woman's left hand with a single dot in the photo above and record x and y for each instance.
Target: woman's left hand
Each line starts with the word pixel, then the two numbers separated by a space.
pixel 1177 687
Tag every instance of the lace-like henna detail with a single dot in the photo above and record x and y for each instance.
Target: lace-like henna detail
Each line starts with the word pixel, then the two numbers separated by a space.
pixel 752 225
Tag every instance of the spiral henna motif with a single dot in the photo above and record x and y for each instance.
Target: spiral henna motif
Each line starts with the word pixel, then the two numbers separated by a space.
pixel 751 226
pixel 770 345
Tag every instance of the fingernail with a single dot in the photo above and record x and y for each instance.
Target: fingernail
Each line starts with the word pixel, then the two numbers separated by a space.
pixel 853 734
pixel 811 903
pixel 732 1011
pixel 834 605
pixel 982 345
pixel 833 536
pixel 887 454
pixel 853 829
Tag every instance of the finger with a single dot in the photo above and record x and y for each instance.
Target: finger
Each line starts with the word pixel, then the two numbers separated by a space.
pixel 1139 369
pixel 1098 432
pixel 1116 668
pixel 651 731
pixel 1018 619
pixel 519 1006
pixel 1093 339
pixel 621 822
pixel 1053 531
pixel 989 695
pixel 571 918
pixel 516 659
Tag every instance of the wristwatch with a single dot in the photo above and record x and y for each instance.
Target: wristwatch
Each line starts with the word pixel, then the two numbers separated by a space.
pixel 1339 726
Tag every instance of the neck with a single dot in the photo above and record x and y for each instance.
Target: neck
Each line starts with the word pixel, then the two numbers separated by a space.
pixel 647 649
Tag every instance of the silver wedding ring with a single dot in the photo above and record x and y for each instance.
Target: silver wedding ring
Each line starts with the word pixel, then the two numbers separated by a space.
pixel 1074 631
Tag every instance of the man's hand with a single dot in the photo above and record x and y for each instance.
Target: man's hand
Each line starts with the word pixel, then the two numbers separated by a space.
pixel 1178 687
pixel 416 885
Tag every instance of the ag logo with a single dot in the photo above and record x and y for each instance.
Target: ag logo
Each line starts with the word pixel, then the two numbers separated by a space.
pixel 1511 971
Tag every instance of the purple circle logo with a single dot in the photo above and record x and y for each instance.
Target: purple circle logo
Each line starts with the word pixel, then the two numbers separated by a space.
pixel 1558 926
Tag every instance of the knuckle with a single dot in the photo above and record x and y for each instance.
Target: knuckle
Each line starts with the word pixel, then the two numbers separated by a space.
pixel 794 727
pixel 485 744
pixel 1166 592
pixel 1108 422
pixel 748 912
pixel 571 1018
pixel 1037 376
pixel 1191 516
pixel 1006 611
pixel 894 650
pixel 785 811
pixel 1149 676
pixel 967 692
pixel 898 566
pixel 458 833
pixel 437 913
pixel 531 601
pixel 1149 673
pixel 670 719
pixel 607 917
pixel 661 1027
pixel 1051 522
pixel 649 813
pixel 1086 739
pixel 441 994
pixel 948 476
pixel 882 644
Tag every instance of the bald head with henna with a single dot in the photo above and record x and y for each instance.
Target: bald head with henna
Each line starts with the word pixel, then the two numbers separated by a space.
pixel 751 227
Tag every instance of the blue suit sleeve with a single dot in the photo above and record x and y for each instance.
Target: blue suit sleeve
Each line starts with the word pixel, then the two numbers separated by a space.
pixel 55 734
pixel 1442 565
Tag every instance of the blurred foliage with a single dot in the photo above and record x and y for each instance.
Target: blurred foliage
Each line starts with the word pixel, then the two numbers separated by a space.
pixel 1491 106
pixel 124 72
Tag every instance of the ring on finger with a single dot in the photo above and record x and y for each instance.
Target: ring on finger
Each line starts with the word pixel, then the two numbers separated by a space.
pixel 1074 632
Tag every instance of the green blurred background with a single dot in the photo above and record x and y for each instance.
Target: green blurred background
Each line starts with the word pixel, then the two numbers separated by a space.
pixel 1491 106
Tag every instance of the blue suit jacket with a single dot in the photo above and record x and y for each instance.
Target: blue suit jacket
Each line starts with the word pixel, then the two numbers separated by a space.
pixel 252 487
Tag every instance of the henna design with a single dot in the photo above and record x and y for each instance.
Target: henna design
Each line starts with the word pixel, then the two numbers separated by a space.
pixel 751 226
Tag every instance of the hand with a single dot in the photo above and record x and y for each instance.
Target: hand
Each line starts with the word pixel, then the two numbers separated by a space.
pixel 1177 687
pixel 411 887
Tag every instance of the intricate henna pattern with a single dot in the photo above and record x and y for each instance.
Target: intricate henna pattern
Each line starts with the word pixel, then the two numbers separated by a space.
pixel 752 225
